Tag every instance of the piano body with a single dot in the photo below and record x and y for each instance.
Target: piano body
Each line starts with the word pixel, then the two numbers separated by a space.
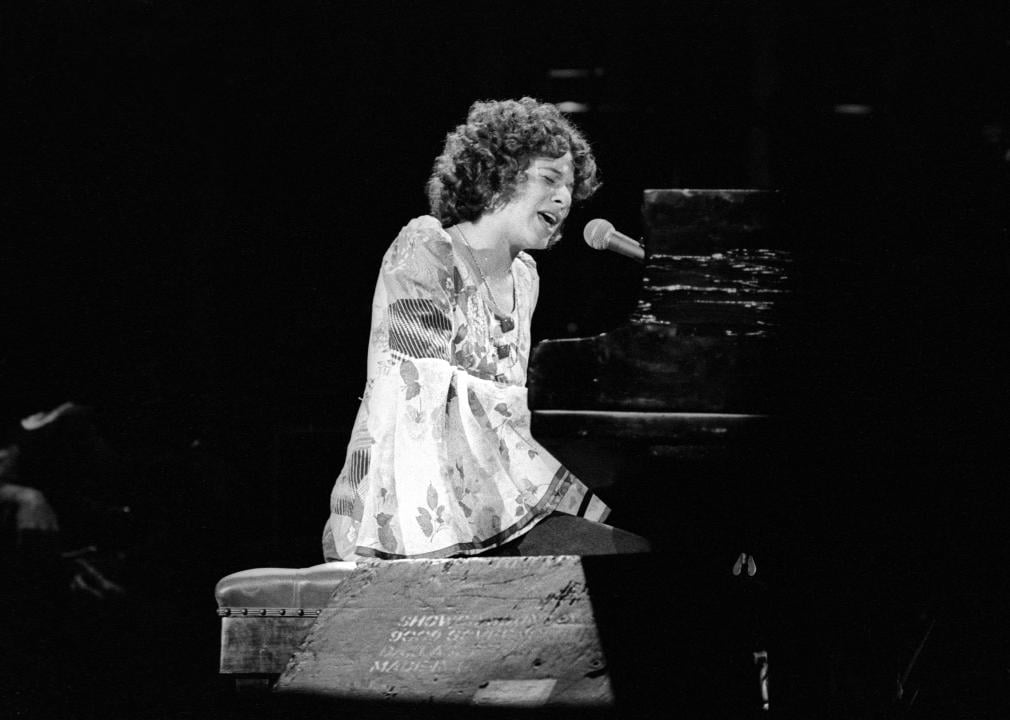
pixel 680 419
pixel 676 417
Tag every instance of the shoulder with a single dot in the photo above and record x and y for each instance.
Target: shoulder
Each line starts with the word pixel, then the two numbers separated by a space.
pixel 527 277
pixel 425 227
pixel 528 267
pixel 422 240
pixel 423 232
pixel 527 263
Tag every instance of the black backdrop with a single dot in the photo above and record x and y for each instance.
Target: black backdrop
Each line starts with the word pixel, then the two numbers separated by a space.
pixel 201 193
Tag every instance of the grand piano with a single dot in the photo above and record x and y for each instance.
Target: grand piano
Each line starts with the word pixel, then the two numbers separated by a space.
pixel 681 420
pixel 740 419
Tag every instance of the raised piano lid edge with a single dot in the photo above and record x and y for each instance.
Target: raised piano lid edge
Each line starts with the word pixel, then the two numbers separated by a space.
pixel 694 416
pixel 688 192
pixel 654 426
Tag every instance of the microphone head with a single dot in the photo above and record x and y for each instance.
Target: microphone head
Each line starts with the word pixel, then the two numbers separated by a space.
pixel 596 233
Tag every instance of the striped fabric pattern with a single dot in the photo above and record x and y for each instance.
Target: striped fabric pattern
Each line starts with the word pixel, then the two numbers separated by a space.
pixel 357 466
pixel 418 328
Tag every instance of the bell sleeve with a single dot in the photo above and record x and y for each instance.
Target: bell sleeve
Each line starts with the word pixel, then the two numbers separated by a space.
pixel 397 451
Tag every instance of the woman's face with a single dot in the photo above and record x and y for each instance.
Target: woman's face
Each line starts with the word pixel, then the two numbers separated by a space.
pixel 537 210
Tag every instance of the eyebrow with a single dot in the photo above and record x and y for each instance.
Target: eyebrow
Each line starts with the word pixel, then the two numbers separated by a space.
pixel 555 170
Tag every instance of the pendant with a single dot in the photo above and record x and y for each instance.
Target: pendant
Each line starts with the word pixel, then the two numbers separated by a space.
pixel 506 324
pixel 503 351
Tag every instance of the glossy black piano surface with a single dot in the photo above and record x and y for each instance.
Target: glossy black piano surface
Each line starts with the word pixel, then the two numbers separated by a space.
pixel 681 406
pixel 676 416
pixel 708 335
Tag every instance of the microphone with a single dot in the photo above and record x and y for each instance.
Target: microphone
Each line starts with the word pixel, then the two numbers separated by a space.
pixel 601 235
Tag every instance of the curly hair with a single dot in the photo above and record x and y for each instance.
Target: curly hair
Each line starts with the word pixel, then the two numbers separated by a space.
pixel 485 159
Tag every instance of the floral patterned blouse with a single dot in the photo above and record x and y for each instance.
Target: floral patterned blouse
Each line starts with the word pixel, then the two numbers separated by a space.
pixel 441 461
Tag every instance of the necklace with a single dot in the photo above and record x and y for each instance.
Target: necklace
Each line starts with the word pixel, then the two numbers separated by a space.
pixel 503 318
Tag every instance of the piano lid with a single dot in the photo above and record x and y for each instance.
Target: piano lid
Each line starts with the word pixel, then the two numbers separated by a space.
pixel 708 332
pixel 717 262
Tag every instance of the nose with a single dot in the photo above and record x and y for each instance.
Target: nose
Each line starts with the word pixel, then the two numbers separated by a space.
pixel 563 196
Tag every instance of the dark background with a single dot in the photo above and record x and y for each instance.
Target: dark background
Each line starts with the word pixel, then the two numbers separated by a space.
pixel 199 195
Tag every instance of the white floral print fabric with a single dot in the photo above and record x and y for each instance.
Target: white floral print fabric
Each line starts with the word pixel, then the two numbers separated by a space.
pixel 441 461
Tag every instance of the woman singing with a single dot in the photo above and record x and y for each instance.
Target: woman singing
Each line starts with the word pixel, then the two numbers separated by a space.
pixel 441 461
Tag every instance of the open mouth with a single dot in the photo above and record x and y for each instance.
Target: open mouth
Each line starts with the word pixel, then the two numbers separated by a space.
pixel 550 219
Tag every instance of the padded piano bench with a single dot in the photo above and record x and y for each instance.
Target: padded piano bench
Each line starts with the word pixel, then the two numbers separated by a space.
pixel 266 612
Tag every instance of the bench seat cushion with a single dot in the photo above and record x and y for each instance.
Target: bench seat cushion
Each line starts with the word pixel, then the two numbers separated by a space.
pixel 309 587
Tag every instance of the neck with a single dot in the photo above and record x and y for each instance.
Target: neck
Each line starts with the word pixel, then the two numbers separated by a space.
pixel 489 246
